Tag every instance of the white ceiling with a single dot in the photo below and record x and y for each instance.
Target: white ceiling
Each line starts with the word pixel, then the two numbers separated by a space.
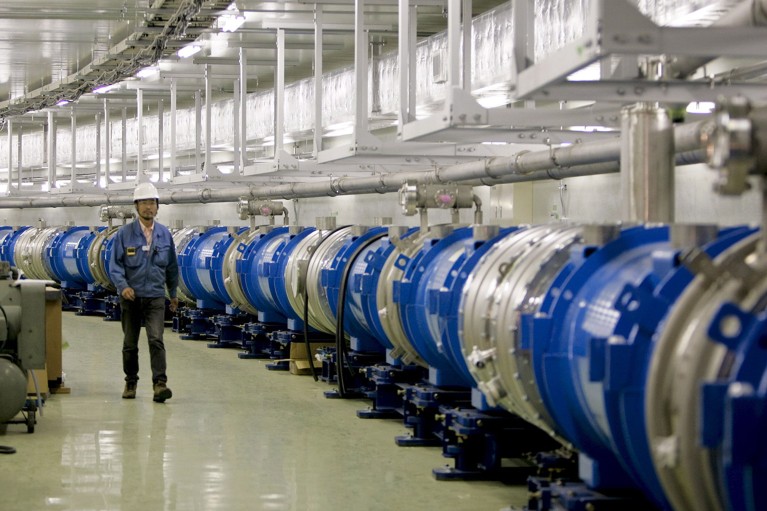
pixel 58 50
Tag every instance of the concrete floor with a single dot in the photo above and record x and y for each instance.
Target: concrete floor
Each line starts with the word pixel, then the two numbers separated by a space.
pixel 235 436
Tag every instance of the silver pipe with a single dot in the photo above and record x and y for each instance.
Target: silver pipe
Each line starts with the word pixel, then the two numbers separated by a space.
pixel 173 100
pixel 647 164
pixel 19 159
pixel 107 144
pixel 73 169
pixel 585 159
pixel 160 139
pixel 51 151
pixel 477 210
pixel 317 80
pixel 243 109
pixel 140 177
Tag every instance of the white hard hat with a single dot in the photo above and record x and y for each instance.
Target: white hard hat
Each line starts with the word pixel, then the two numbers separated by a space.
pixel 145 191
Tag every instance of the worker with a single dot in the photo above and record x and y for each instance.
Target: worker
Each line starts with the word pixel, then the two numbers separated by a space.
pixel 142 266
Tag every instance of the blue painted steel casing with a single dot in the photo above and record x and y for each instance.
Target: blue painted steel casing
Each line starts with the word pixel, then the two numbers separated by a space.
pixel 201 266
pixel 737 404
pixel 8 245
pixel 355 323
pixel 5 232
pixel 418 303
pixel 364 286
pixel 252 275
pixel 274 269
pixel 602 326
pixel 577 309
pixel 445 300
pixel 68 253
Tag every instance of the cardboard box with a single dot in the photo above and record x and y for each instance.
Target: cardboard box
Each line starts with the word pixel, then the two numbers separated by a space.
pixel 53 338
pixel 299 362
pixel 42 383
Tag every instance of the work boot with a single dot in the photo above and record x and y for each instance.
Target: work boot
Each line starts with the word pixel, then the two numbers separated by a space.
pixel 130 390
pixel 161 392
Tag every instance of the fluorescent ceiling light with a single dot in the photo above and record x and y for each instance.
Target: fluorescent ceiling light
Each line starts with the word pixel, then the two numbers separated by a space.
pixel 63 102
pixel 188 51
pixel 147 72
pixel 232 21
pixel 105 88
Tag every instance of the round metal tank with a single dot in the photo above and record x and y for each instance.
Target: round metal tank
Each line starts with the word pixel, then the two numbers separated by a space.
pixel 8 245
pixel 181 238
pixel 591 343
pixel 355 257
pixel 68 256
pixel 232 259
pixel 330 260
pixel 253 269
pixel 706 397
pixel 511 278
pixel 201 267
pixel 367 290
pixel 429 294
pixel 31 252
pixel 98 257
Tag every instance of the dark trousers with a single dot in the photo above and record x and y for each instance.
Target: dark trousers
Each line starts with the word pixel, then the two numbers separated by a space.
pixel 152 312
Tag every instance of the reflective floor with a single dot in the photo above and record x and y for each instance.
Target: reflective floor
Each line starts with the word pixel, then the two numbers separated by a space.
pixel 235 436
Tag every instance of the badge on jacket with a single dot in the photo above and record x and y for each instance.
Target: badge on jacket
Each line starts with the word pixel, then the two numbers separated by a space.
pixel 131 251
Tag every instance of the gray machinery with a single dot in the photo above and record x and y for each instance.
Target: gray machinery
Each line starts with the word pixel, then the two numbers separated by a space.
pixel 22 341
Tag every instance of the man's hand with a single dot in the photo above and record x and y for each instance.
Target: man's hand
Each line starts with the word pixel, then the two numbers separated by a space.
pixel 173 304
pixel 129 294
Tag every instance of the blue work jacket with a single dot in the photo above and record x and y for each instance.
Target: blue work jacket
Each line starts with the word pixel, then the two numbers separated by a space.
pixel 148 270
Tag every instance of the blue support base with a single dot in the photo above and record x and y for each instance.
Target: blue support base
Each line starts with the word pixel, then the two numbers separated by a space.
pixel 421 408
pixel 197 325
pixel 490 446
pixel 256 339
pixel 386 391
pixel 91 303
pixel 546 495
pixel 112 308
pixel 280 342
pixel 357 383
pixel 228 330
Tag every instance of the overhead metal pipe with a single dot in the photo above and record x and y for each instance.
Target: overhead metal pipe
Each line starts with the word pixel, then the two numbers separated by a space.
pixel 576 160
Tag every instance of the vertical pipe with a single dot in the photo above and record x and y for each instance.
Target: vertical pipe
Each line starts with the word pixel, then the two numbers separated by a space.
pixel 317 79
pixel 19 157
pixel 197 130
pixel 73 147
pixel 453 43
pixel 107 143
pixel 236 127
pixel 279 94
pixel 98 150
pixel 161 139
pixel 173 100
pixel 375 85
pixel 466 34
pixel 51 151
pixel 208 117
pixel 647 164
pixel 360 69
pixel 10 154
pixel 243 109
pixel 404 57
pixel 140 177
pixel 124 144
pixel 524 43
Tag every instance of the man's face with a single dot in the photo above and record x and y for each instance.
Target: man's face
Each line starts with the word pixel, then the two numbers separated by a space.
pixel 147 209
